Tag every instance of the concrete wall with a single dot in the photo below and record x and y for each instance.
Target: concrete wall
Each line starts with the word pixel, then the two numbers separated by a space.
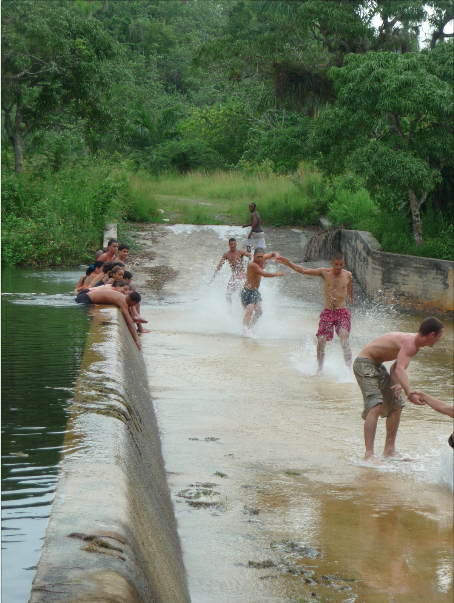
pixel 112 534
pixel 421 284
pixel 110 232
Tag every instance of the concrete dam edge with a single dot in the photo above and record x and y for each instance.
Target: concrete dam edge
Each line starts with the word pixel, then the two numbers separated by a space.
pixel 112 534
pixel 416 283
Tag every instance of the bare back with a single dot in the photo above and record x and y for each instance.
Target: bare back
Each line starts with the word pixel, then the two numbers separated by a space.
pixel 99 295
pixel 387 347
pixel 335 288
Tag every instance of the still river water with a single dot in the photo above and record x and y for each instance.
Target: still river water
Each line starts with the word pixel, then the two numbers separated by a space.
pixel 43 339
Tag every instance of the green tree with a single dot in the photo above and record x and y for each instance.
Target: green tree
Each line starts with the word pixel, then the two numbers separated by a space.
pixel 52 74
pixel 392 125
pixel 223 128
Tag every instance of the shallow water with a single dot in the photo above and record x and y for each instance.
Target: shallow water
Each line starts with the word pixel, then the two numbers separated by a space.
pixel 275 455
pixel 43 338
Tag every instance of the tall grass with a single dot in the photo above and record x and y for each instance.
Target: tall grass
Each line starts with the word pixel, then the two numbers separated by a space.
pixel 223 197
pixel 54 218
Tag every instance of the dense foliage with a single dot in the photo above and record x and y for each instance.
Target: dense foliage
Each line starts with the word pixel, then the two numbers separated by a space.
pixel 249 86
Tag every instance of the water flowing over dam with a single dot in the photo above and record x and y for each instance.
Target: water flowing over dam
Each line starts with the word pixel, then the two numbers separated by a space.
pixel 264 461
pixel 272 500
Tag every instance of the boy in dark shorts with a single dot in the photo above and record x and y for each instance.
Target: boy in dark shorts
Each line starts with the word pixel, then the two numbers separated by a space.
pixel 250 296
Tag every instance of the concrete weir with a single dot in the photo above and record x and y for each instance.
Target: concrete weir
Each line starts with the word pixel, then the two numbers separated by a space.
pixel 112 535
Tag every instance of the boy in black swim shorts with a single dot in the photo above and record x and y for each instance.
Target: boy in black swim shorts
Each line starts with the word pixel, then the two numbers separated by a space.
pixel 83 298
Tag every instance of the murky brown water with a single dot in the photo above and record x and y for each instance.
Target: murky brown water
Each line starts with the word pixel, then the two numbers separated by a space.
pixel 264 460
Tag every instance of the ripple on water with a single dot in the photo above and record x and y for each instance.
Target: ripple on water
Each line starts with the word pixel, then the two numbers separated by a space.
pixel 43 337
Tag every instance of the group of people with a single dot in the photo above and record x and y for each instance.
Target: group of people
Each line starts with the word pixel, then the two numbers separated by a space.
pixel 381 389
pixel 107 281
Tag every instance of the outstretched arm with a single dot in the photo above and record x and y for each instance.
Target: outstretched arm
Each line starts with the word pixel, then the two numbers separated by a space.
pixel 300 269
pixel 438 405
pixel 218 267
pixel 398 371
pixel 129 322
pixel 246 253
pixel 262 272
pixel 273 254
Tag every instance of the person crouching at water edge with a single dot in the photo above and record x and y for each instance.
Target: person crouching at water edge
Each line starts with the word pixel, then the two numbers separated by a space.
pixel 337 284
pixel 114 298
pixel 250 295
pixel 381 390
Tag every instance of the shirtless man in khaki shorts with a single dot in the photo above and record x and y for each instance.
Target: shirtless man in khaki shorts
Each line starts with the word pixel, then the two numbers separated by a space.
pixel 337 284
pixel 250 294
pixel 235 259
pixel 381 390
pixel 256 237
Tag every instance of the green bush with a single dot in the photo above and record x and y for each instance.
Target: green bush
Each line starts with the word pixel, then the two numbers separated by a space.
pixel 393 230
pixel 184 156
pixel 59 218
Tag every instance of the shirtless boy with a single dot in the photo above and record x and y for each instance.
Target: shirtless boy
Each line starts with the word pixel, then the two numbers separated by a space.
pixel 107 296
pixel 381 390
pixel 337 284
pixel 235 259
pixel 256 237
pixel 111 253
pixel 123 252
pixel 250 295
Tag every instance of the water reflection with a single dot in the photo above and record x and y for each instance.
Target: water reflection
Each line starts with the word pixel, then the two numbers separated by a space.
pixel 43 337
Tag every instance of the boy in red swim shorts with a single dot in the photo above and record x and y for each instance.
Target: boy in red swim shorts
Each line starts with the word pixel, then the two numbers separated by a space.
pixel 337 286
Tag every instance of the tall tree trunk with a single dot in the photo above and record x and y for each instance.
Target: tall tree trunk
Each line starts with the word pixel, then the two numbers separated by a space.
pixel 15 133
pixel 415 205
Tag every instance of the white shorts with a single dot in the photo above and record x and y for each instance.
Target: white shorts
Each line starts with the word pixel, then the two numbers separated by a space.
pixel 257 240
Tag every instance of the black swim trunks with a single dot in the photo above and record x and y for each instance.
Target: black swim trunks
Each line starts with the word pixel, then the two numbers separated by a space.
pixel 83 298
pixel 250 296
pixel 450 442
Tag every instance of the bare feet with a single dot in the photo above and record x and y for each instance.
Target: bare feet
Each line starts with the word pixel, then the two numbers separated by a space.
pixel 397 456
pixel 372 459
pixel 319 372
pixel 248 334
pixel 140 329
pixel 139 319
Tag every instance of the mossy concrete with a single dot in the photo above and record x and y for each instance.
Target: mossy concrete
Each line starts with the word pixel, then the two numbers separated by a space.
pixel 421 284
pixel 112 534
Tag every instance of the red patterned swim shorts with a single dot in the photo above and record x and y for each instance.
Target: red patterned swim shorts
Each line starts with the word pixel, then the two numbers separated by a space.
pixel 333 319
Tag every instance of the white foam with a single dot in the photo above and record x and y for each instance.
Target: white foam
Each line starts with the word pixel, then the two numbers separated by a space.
pixel 223 232
pixel 445 472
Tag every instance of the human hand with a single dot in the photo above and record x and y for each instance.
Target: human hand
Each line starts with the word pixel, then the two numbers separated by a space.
pixel 138 344
pixel 397 389
pixel 414 398
pixel 280 273
pixel 351 300
pixel 282 260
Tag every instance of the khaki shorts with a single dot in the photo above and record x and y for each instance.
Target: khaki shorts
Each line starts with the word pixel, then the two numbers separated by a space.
pixel 375 383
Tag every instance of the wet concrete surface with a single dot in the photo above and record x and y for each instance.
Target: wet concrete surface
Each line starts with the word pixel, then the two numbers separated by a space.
pixel 264 461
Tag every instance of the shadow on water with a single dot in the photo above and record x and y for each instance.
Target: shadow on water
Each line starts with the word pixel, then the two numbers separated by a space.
pixel 43 338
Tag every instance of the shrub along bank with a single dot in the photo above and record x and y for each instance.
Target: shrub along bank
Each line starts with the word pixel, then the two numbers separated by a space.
pixel 57 217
